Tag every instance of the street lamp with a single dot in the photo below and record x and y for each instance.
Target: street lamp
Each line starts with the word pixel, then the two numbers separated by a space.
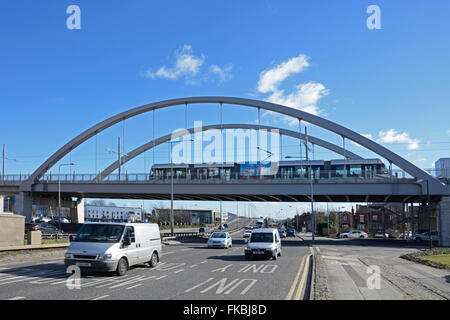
pixel 59 192
pixel 313 220
pixel 429 211
pixel 171 181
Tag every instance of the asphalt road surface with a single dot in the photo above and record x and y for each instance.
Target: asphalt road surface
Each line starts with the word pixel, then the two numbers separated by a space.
pixel 187 271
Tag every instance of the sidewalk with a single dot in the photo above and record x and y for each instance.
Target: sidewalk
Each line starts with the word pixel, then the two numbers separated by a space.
pixel 347 270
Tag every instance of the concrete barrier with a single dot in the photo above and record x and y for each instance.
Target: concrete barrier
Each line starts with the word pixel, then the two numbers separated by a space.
pixel 12 230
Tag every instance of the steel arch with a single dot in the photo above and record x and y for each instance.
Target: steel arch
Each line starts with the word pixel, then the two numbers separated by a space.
pixel 435 185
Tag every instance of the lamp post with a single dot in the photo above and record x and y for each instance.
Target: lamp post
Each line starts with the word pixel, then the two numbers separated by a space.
pixel 313 222
pixel 59 192
pixel 428 212
pixel 171 182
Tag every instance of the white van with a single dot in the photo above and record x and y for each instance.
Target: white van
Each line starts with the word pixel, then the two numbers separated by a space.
pixel 114 246
pixel 263 242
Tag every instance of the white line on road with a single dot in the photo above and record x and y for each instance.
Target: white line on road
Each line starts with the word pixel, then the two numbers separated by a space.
pixel 17 298
pixel 198 285
pixel 194 265
pixel 161 277
pixel 138 285
pixel 101 297
pixel 204 261
pixel 179 271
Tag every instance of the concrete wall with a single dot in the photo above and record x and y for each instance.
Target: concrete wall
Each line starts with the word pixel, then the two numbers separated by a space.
pixel 1 204
pixel 444 221
pixel 12 230
pixel 24 205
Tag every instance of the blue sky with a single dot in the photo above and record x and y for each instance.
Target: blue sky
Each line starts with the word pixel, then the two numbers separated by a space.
pixel 390 84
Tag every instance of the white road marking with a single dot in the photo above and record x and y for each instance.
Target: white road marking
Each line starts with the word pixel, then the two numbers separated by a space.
pixel 161 277
pixel 340 258
pixel 17 298
pixel 198 285
pixel 138 285
pixel 194 265
pixel 101 297
pixel 179 270
pixel 204 261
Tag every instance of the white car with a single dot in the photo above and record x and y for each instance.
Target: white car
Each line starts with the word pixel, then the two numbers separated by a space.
pixel 353 234
pixel 220 240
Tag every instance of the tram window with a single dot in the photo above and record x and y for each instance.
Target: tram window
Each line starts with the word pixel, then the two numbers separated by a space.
pixel 337 171
pixel 355 171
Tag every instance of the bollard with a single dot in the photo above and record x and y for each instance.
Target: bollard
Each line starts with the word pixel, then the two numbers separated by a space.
pixel 34 237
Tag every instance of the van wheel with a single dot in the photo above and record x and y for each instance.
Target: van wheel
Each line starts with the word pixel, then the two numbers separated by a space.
pixel 154 260
pixel 275 257
pixel 279 253
pixel 122 267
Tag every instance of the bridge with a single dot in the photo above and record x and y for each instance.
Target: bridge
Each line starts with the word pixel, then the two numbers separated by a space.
pixel 412 185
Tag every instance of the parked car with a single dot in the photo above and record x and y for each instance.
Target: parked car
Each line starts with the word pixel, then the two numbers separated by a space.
pixel 114 246
pixel 381 235
pixel 250 227
pixel 263 242
pixel 419 237
pixel 202 230
pixel 220 240
pixel 353 234
pixel 56 220
pixel 225 225
pixel 408 234
pixel 45 228
pixel 45 219
pixel 290 232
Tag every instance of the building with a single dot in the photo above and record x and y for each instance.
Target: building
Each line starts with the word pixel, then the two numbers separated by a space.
pixel 111 214
pixel 442 167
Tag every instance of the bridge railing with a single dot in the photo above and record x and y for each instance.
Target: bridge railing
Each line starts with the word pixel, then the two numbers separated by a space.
pixel 396 175
pixel 142 177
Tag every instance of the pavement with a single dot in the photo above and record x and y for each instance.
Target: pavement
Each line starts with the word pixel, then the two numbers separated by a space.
pixel 347 269
pixel 188 270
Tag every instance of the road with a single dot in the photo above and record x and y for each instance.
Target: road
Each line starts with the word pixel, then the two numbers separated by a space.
pixel 351 267
pixel 187 270
pixel 233 224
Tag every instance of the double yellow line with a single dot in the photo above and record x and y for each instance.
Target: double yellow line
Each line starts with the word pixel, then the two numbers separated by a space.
pixel 299 282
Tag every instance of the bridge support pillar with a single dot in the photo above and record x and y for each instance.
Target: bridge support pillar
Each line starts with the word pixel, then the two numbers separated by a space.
pixel 24 205
pixel 444 222
pixel 1 204
pixel 77 213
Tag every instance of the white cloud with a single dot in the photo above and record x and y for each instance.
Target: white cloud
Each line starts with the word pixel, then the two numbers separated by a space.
pixel 223 74
pixel 448 132
pixel 186 64
pixel 304 97
pixel 392 136
pixel 270 79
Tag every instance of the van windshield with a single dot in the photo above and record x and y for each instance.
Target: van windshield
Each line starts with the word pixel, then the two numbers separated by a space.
pixel 100 233
pixel 261 237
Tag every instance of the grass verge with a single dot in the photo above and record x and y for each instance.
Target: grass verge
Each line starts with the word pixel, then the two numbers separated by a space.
pixel 436 257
